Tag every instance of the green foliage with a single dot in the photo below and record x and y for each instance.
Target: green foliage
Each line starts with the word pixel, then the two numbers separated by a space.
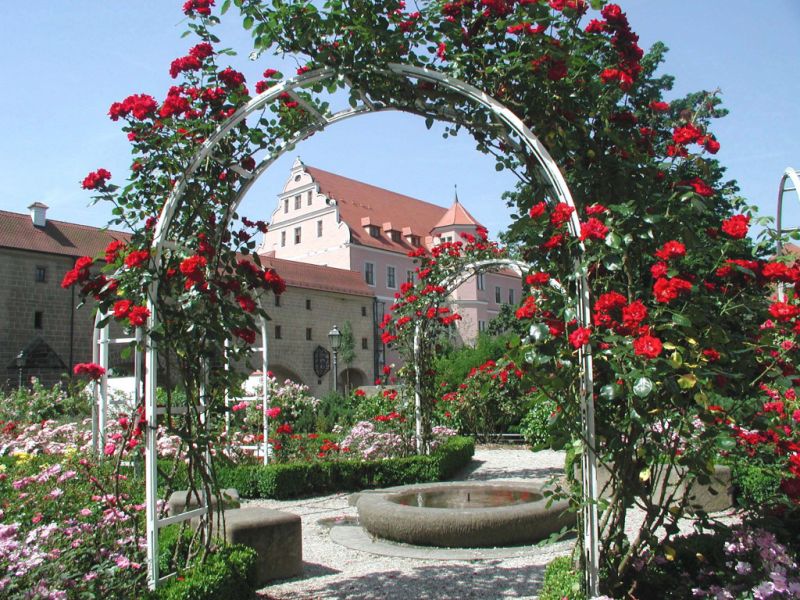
pixel 561 581
pixel 38 403
pixel 453 367
pixel 536 426
pixel 228 572
pixel 757 487
pixel 294 480
pixel 335 409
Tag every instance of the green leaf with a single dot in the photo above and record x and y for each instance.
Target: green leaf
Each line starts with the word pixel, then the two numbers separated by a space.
pixel 687 382
pixel 680 320
pixel 613 241
pixel 726 442
pixel 643 387
pixel 248 22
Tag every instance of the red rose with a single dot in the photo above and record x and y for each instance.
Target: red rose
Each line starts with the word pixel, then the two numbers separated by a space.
pixel 595 209
pixel 92 370
pixel 553 242
pixel 138 316
pixel 667 290
pixel 783 311
pixel 736 226
pixel 248 335
pixel 137 258
pixel 658 106
pixel 647 346
pixel 711 354
pixel 580 337
pixel 537 210
pixel 96 179
pixel 634 314
pixel 561 214
pixel 537 278
pixel 247 303
pixel 671 249
pixel 701 187
pixel 202 50
pixel 710 144
pixel 122 308
pixel 659 269
pixel 593 229
pixel 202 7
pixel 112 250
pixel 686 134
pixel 528 309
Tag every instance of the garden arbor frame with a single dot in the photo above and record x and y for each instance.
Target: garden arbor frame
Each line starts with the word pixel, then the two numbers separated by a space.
pixel 502 117
pixel 791 176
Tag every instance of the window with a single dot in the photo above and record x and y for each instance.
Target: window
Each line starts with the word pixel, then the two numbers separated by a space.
pixel 308 303
pixel 364 344
pixel 285 205
pixel 497 296
pixel 309 197
pixel 277 300
pixel 297 201
pixel 481 283
pixel 374 231
pixel 410 276
pixel 363 311
pixel 369 273
pixel 391 281
pixel 283 239
pixel 297 235
pixel 38 320
pixel 308 333
pixel 481 325
pixel 511 296
pixel 278 335
pixel 41 273
pixel 319 228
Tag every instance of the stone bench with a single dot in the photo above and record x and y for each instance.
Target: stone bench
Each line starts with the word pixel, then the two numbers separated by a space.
pixel 276 537
pixel 177 504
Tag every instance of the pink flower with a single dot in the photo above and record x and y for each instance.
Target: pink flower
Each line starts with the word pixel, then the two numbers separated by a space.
pixel 109 449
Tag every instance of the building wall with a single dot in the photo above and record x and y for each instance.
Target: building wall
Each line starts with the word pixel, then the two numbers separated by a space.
pixel 66 331
pixel 291 355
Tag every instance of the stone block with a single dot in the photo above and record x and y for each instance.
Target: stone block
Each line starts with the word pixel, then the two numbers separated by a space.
pixel 177 501
pixel 276 537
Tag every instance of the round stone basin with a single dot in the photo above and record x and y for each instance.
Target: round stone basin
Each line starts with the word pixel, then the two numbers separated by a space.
pixel 465 497
pixel 449 515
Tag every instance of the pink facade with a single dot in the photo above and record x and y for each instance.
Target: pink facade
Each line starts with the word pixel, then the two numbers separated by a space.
pixel 325 219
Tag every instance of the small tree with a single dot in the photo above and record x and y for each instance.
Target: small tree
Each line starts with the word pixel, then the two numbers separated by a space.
pixel 347 351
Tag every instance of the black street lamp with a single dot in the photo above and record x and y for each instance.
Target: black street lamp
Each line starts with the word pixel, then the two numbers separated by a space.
pixel 20 362
pixel 335 339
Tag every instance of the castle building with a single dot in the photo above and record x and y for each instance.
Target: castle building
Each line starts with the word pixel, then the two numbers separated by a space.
pixel 326 219
pixel 341 245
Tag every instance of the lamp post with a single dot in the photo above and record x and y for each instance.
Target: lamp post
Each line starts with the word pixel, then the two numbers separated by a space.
pixel 20 362
pixel 335 338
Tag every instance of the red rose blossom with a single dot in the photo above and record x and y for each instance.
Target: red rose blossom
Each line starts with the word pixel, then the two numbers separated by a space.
pixel 593 229
pixel 96 179
pixel 580 336
pixel 92 370
pixel 647 346
pixel 138 316
pixel 736 226
pixel 671 249
pixel 537 210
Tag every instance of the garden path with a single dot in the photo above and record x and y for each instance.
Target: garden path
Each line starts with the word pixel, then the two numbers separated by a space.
pixel 334 571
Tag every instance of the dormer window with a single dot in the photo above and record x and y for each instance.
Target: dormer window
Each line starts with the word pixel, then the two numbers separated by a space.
pixel 373 231
pixel 411 239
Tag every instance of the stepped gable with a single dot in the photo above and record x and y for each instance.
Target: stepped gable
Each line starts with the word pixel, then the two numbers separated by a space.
pixel 56 237
pixel 358 201
pixel 317 277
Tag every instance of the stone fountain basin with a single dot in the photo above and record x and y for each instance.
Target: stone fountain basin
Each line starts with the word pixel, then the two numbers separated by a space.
pixel 463 515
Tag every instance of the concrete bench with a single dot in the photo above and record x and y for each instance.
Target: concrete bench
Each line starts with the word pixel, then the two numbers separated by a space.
pixel 276 537
pixel 177 504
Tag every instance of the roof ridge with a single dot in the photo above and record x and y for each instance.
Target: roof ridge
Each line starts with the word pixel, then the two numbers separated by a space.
pixel 377 187
pixel 79 225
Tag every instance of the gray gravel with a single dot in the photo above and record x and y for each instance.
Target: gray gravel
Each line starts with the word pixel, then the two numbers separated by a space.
pixel 334 571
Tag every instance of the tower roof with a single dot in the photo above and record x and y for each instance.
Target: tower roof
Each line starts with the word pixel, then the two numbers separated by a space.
pixel 456 216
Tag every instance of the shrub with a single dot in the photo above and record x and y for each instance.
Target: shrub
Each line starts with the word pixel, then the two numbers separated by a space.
pixel 38 403
pixel 561 581
pixel 757 487
pixel 535 426
pixel 229 572
pixel 293 480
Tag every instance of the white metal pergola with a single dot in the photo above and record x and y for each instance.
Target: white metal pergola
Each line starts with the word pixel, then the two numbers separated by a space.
pixel 790 182
pixel 506 121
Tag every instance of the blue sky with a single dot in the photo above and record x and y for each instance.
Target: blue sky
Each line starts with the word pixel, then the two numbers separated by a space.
pixel 65 62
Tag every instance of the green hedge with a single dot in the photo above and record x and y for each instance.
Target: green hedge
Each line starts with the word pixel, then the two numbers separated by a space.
pixel 561 581
pixel 230 572
pixel 294 480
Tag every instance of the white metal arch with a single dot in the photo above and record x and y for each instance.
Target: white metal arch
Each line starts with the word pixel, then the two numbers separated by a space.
pixel 792 177
pixel 550 173
pixel 450 284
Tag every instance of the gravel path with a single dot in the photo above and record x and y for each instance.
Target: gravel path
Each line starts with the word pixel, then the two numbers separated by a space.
pixel 333 571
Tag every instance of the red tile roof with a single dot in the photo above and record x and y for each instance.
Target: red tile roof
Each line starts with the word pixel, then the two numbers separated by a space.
pixel 357 200
pixel 457 215
pixel 317 277
pixel 56 237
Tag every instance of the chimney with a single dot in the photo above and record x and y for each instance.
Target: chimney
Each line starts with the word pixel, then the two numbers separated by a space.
pixel 38 214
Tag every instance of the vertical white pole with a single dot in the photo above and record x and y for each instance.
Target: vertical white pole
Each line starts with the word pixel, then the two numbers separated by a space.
pixel 150 453
pixel 95 387
pixel 103 412
pixel 417 389
pixel 265 398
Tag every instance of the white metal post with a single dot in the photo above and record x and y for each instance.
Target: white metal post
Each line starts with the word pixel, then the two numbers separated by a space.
pixel 151 456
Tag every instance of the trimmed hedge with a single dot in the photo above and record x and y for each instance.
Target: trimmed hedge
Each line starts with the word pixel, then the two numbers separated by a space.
pixel 561 581
pixel 294 480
